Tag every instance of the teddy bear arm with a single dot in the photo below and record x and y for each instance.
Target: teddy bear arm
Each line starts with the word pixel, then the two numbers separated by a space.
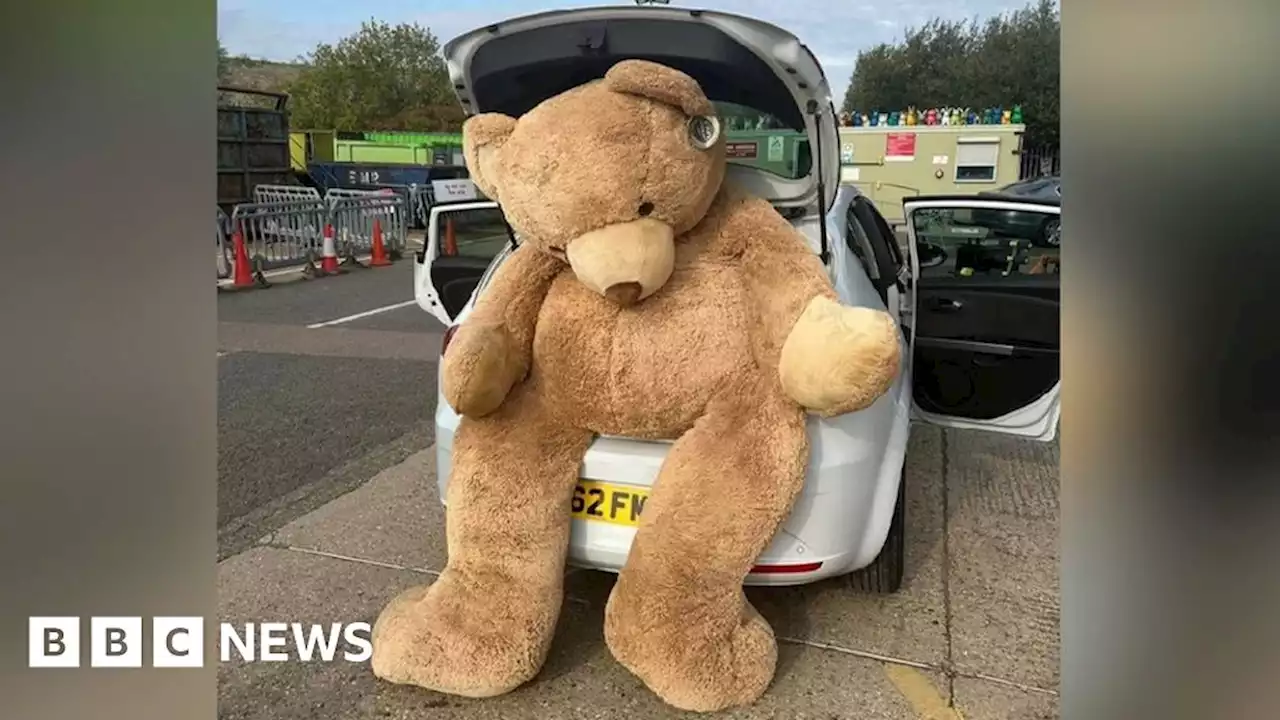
pixel 782 276
pixel 830 358
pixel 491 351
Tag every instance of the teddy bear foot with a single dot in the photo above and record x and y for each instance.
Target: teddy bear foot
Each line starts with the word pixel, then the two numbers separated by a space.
pixel 444 637
pixel 698 673
pixel 839 359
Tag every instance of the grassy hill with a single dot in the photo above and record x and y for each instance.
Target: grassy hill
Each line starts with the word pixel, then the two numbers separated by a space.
pixel 261 74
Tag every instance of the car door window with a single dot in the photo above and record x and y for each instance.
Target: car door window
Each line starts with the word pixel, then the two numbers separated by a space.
pixel 467 240
pixel 983 242
pixel 987 305
pixel 474 233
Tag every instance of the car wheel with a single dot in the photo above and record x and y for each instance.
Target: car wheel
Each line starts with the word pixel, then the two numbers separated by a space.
pixel 1051 233
pixel 884 574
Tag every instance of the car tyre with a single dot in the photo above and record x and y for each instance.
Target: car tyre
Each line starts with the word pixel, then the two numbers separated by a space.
pixel 1051 233
pixel 884 574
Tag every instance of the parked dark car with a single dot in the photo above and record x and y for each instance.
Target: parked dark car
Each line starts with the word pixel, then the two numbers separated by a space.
pixel 1041 231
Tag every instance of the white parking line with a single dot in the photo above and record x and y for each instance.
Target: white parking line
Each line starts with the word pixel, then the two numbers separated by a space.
pixel 364 314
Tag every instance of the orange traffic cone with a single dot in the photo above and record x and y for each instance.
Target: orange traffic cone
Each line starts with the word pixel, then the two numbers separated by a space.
pixel 450 242
pixel 379 258
pixel 243 271
pixel 329 253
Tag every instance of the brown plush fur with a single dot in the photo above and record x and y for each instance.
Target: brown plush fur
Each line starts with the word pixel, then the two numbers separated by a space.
pixel 711 323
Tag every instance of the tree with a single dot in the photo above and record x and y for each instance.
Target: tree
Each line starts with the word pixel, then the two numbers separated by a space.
pixel 383 77
pixel 1019 62
pixel 1009 60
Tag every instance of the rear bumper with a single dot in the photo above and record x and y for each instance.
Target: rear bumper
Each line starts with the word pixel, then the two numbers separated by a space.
pixel 839 521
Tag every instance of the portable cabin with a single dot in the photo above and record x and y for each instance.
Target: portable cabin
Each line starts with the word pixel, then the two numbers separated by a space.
pixel 889 163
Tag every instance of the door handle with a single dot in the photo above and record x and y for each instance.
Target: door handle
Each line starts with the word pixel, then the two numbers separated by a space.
pixel 945 305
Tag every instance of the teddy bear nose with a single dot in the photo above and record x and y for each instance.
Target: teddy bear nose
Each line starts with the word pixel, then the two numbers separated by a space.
pixel 624 293
pixel 645 209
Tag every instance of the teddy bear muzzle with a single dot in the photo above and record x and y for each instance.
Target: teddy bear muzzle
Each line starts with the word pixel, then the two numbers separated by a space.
pixel 625 262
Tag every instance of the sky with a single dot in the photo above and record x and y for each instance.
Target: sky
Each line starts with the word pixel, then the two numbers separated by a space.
pixel 836 30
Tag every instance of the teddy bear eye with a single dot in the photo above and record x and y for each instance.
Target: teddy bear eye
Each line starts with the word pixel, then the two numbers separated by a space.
pixel 704 131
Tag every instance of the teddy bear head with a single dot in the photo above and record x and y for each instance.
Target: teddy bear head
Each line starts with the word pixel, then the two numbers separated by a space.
pixel 607 175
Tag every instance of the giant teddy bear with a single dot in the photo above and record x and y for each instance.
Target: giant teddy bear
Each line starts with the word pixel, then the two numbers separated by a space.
pixel 648 298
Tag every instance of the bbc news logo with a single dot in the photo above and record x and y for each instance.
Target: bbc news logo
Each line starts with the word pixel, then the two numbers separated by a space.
pixel 178 642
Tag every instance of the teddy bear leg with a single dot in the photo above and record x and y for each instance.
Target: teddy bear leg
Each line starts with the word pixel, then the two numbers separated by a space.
pixel 677 616
pixel 484 627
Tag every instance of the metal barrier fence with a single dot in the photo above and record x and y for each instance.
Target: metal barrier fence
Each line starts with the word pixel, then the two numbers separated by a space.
pixel 284 193
pixel 285 227
pixel 279 234
pixel 354 216
pixel 417 204
pixel 223 256
pixel 417 200
pixel 348 192
pixel 420 201
pixel 1039 162
pixel 336 193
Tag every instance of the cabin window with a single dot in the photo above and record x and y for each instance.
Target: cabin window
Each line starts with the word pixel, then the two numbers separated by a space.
pixel 976 159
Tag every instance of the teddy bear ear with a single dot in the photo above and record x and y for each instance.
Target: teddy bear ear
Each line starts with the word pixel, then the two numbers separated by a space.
pixel 659 82
pixel 482 136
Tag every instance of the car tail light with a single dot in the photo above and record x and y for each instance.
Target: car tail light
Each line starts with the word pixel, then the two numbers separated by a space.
pixel 785 568
pixel 448 335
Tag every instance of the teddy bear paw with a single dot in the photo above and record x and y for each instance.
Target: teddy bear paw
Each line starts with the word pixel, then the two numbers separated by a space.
pixel 479 368
pixel 695 672
pixel 839 359
pixel 441 638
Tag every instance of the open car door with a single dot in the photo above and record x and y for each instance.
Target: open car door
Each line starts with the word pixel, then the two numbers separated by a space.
pixel 462 240
pixel 985 313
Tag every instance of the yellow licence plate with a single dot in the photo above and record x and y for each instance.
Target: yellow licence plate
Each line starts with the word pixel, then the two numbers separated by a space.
pixel 602 502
